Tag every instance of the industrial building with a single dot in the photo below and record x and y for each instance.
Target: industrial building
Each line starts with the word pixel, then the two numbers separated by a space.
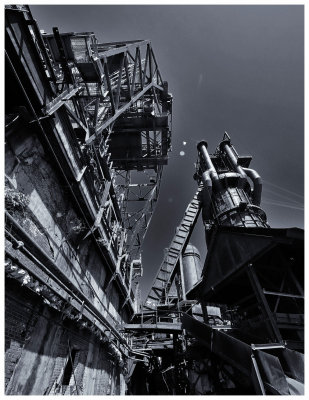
pixel 88 132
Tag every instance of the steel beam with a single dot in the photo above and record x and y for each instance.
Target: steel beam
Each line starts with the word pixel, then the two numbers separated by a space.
pixel 268 315
pixel 121 110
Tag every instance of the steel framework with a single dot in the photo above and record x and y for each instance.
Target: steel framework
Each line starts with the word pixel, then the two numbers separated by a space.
pixel 253 274
pixel 121 110
pixel 103 114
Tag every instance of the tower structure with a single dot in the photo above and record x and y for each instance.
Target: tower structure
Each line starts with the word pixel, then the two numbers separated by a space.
pixel 253 273
pixel 241 329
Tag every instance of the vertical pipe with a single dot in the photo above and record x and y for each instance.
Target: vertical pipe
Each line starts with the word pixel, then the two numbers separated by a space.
pixel 183 290
pixel 225 146
pixel 208 177
pixel 202 148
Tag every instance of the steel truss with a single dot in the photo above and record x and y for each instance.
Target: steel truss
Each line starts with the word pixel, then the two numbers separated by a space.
pixel 120 110
pixel 104 113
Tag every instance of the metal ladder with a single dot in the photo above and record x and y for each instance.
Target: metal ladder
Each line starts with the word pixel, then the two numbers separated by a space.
pixel 163 280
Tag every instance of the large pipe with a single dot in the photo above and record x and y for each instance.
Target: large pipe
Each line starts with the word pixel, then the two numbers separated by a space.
pixel 202 148
pixel 206 195
pixel 257 185
pixel 207 177
pixel 211 170
pixel 244 172
pixel 225 146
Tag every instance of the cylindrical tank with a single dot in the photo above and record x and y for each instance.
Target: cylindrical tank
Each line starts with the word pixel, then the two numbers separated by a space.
pixel 192 268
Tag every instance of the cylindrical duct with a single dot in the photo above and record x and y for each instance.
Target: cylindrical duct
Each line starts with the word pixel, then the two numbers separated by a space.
pixel 192 268
pixel 210 169
pixel 202 148
pixel 226 147
pixel 257 183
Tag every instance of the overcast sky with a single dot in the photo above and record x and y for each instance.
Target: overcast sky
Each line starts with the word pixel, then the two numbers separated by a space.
pixel 233 68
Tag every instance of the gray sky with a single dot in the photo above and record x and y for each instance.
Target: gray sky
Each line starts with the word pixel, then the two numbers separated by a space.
pixel 233 68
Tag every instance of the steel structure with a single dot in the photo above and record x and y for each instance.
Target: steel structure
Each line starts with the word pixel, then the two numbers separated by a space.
pixel 255 271
pixel 117 111
pixel 121 111
pixel 244 317
pixel 99 117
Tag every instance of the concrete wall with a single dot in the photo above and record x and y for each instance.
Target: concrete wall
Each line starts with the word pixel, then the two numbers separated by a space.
pixel 53 223
pixel 37 341
pixel 37 335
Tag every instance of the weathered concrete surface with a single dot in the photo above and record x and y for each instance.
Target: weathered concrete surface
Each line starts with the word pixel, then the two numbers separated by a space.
pixel 40 359
pixel 53 224
pixel 36 336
